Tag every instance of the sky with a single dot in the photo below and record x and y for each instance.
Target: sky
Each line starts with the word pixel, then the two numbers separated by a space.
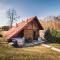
pixel 28 8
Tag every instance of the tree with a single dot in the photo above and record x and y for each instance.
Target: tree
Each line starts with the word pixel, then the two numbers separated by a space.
pixel 11 13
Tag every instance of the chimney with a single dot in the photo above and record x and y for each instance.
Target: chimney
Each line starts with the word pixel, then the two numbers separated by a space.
pixel 16 25
pixel 27 19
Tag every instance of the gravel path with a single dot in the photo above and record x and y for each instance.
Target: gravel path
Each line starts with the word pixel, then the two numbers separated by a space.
pixel 53 48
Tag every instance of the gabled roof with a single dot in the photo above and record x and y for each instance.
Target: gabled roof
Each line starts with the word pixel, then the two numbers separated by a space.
pixel 20 26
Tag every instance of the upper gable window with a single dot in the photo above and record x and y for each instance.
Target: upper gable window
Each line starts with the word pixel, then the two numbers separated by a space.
pixel 30 25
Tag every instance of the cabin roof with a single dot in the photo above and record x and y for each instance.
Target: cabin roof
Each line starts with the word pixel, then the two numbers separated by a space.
pixel 20 26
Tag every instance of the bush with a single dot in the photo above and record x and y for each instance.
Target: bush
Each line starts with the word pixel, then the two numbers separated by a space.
pixel 5 28
pixel 52 36
pixel 47 35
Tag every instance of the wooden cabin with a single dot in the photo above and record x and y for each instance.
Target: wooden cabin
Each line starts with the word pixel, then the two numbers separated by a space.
pixel 29 29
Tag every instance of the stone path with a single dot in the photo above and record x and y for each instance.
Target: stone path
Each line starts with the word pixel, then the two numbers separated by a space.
pixel 53 48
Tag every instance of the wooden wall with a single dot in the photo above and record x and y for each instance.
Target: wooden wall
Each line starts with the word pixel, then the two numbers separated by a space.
pixel 36 34
pixel 28 34
pixel 29 31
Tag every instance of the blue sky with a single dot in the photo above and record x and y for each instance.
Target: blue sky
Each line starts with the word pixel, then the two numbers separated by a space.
pixel 28 8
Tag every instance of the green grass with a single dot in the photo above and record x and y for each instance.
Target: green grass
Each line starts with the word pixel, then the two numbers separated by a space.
pixel 29 53
pixel 55 45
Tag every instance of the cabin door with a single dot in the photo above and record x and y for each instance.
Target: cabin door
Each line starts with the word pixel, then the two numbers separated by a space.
pixel 35 35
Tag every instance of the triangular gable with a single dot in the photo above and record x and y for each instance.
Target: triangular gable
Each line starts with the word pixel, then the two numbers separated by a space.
pixel 14 31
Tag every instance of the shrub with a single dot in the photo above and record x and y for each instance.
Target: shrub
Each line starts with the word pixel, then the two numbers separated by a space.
pixel 52 35
pixel 5 28
pixel 47 35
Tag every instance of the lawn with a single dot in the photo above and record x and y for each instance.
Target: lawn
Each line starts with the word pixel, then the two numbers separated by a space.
pixel 29 53
pixel 55 45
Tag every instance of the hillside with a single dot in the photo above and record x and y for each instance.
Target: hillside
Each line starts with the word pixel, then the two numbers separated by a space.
pixel 30 53
pixel 51 22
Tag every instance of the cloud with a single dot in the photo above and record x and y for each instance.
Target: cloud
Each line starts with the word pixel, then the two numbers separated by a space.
pixel 3 14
